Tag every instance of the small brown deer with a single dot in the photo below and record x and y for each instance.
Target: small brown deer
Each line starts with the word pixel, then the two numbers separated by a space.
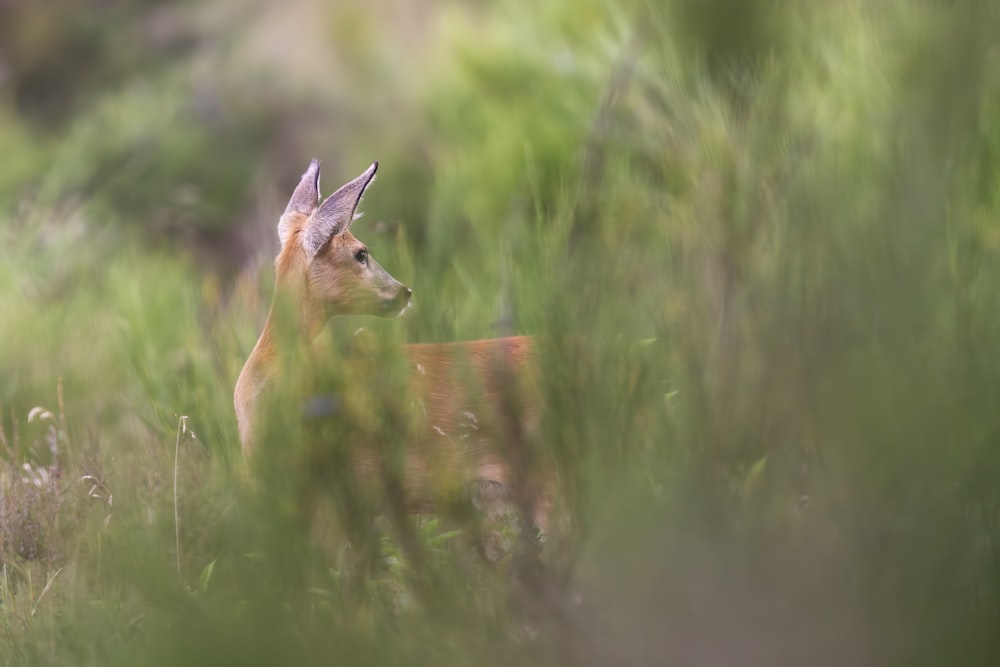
pixel 322 270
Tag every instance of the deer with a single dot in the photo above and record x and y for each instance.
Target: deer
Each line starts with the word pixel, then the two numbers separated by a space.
pixel 323 271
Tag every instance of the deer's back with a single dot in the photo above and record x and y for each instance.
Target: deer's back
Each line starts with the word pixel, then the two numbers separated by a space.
pixel 476 404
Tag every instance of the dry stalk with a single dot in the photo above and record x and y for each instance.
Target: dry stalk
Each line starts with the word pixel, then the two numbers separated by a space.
pixel 181 428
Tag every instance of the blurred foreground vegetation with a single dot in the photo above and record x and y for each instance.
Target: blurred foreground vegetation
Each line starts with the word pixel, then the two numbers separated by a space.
pixel 770 232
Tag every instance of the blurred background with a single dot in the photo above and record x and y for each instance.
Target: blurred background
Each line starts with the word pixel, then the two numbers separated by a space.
pixel 769 231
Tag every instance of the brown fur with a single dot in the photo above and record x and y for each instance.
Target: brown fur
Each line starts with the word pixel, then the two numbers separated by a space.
pixel 475 438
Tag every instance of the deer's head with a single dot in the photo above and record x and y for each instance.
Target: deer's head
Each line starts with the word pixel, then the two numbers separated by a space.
pixel 331 270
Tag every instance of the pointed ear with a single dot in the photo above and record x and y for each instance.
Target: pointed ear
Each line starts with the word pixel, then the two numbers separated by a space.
pixel 336 213
pixel 303 200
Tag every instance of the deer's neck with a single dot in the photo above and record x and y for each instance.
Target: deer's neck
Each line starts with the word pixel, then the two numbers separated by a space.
pixel 290 325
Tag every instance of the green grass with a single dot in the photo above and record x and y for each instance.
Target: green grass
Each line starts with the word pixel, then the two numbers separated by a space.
pixel 760 258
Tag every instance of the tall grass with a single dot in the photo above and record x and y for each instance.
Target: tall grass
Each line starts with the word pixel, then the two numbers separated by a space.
pixel 756 245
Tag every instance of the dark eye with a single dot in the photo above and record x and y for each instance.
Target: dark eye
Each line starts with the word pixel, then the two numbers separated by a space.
pixel 361 256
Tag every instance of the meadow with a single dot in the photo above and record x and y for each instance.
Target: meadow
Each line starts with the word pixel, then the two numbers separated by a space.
pixel 759 246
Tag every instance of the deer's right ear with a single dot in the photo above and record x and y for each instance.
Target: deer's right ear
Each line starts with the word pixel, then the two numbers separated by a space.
pixel 335 214
pixel 304 200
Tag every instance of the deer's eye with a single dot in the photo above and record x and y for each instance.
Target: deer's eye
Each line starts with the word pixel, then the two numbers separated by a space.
pixel 361 256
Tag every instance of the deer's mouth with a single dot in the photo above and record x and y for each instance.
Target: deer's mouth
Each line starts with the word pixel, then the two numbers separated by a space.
pixel 398 304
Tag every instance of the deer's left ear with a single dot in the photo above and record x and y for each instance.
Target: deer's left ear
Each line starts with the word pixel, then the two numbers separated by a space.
pixel 336 213
pixel 303 200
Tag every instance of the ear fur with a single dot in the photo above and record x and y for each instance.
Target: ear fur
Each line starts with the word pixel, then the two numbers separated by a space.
pixel 303 200
pixel 335 214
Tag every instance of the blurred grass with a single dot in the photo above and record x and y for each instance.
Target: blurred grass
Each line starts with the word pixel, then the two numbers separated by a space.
pixel 757 244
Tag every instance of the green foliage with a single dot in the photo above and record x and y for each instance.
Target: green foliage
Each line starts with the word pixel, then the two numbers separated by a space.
pixel 756 243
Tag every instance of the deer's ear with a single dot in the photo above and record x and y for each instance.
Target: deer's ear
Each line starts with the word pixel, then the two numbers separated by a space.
pixel 303 200
pixel 336 213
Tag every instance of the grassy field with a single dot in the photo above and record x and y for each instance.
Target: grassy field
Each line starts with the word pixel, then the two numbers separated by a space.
pixel 759 244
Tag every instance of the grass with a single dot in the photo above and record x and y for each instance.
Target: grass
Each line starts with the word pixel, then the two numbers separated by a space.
pixel 760 263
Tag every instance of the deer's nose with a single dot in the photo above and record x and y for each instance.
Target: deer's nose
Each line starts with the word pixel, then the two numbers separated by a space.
pixel 408 292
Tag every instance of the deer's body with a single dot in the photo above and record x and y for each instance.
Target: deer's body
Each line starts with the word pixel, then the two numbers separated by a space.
pixel 466 394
